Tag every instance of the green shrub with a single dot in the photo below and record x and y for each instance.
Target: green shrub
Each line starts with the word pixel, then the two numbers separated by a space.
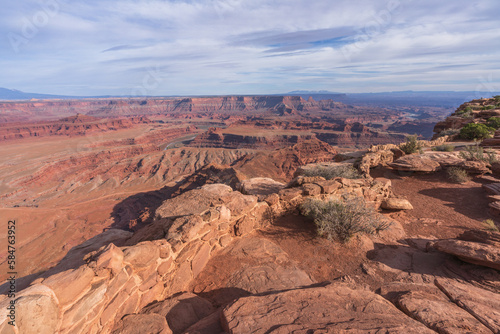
pixel 444 148
pixel 411 146
pixel 489 225
pixel 330 172
pixel 477 153
pixel 497 98
pixel 449 132
pixel 341 220
pixel 458 175
pixel 465 113
pixel 488 107
pixel 493 122
pixel 473 131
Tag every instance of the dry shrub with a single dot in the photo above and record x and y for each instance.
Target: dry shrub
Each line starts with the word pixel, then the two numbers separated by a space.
pixel 489 225
pixel 331 172
pixel 341 220
pixel 458 175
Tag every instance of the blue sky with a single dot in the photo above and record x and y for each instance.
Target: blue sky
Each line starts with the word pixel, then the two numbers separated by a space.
pixel 195 47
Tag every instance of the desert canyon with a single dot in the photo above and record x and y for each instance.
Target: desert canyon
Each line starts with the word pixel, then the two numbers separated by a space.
pixel 187 215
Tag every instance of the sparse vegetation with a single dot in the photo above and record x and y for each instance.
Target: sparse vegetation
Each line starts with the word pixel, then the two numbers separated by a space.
pixel 458 175
pixel 341 220
pixel 489 225
pixel 449 132
pixel 493 122
pixel 465 113
pixel 444 148
pixel 330 172
pixel 473 131
pixel 477 153
pixel 497 98
pixel 411 146
pixel 488 108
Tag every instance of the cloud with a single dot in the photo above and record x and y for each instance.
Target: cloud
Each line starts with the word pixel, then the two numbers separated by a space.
pixel 252 47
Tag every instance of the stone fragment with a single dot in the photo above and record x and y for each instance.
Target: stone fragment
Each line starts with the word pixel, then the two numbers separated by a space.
pixel 396 204
pixel 260 187
pixel 288 195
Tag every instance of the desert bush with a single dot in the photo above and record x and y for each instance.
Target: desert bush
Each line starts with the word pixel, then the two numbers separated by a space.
pixel 489 225
pixel 330 172
pixel 465 113
pixel 411 146
pixel 493 122
pixel 488 108
pixel 449 132
pixel 477 153
pixel 341 220
pixel 444 148
pixel 473 131
pixel 458 175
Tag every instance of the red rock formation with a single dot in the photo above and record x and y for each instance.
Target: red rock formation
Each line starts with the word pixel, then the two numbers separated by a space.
pixel 71 126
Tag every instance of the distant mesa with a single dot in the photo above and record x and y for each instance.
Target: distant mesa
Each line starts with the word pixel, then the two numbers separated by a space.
pixel 79 118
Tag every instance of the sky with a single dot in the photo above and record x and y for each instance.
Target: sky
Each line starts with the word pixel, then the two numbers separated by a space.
pixel 219 47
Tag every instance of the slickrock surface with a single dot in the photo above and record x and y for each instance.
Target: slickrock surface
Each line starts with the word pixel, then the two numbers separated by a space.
pixel 334 308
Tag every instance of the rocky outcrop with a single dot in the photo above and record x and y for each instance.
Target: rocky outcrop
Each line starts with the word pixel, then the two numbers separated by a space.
pixel 475 111
pixel 260 187
pixel 162 259
pixel 220 138
pixel 432 307
pixel 481 248
pixel 79 125
pixel 117 281
pixel 415 163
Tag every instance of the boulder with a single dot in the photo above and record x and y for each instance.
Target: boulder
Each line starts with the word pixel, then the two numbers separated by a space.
pixel 310 189
pixel 329 187
pixel 334 308
pixel 207 325
pixel 472 252
pixel 374 159
pixel 300 180
pixel 181 311
pixel 260 187
pixel 485 237
pixel 142 323
pixel 396 204
pixel 415 163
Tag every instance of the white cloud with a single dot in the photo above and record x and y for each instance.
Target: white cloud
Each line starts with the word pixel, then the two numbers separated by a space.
pixel 243 46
